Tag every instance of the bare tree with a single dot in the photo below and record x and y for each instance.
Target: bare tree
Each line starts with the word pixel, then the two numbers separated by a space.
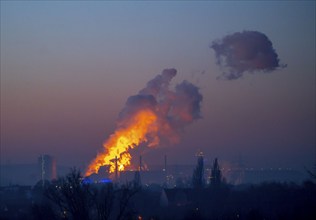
pixel 310 173
pixel 74 199
pixel 103 200
pixel 125 193
pixel 70 196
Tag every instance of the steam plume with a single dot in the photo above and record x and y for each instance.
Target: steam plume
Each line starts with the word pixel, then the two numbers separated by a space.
pixel 247 51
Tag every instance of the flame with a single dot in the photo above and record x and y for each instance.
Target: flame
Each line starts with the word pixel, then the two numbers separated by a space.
pixel 141 127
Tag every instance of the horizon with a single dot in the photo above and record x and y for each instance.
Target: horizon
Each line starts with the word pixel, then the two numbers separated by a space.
pixel 69 71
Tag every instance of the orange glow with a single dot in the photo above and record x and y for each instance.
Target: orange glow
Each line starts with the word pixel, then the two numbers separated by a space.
pixel 141 127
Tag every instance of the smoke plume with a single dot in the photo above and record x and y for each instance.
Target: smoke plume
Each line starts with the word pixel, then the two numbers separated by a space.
pixel 175 109
pixel 155 116
pixel 247 51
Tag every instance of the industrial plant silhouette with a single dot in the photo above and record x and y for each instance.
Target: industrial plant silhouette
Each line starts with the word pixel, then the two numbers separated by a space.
pixel 141 194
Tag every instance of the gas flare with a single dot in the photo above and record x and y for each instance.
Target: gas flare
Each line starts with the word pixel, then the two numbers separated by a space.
pixel 140 126
pixel 153 116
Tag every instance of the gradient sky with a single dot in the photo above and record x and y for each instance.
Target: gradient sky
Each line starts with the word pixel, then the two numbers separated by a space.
pixel 67 69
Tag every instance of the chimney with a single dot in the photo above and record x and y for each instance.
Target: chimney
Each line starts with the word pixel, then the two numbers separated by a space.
pixel 116 169
pixel 165 168
pixel 140 163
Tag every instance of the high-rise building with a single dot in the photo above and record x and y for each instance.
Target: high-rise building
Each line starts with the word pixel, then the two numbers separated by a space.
pixel 47 167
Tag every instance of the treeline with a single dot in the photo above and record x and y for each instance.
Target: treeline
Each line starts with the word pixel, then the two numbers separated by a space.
pixel 70 197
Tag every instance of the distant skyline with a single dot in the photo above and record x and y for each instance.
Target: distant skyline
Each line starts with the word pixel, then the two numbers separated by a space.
pixel 67 69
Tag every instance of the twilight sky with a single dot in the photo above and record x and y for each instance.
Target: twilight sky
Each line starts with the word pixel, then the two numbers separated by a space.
pixel 67 69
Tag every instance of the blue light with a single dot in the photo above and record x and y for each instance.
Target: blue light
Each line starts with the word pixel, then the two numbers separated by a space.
pixel 105 180
pixel 87 181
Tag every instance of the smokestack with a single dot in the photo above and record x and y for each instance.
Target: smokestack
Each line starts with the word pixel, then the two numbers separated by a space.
pixel 165 169
pixel 315 162
pixel 42 170
pixel 116 169
pixel 140 163
pixel 47 168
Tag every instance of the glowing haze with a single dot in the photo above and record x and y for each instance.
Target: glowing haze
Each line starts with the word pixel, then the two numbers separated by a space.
pixel 154 116
pixel 68 67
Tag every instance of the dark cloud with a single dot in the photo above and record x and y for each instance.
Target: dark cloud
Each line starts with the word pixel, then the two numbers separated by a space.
pixel 159 85
pixel 187 104
pixel 247 51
